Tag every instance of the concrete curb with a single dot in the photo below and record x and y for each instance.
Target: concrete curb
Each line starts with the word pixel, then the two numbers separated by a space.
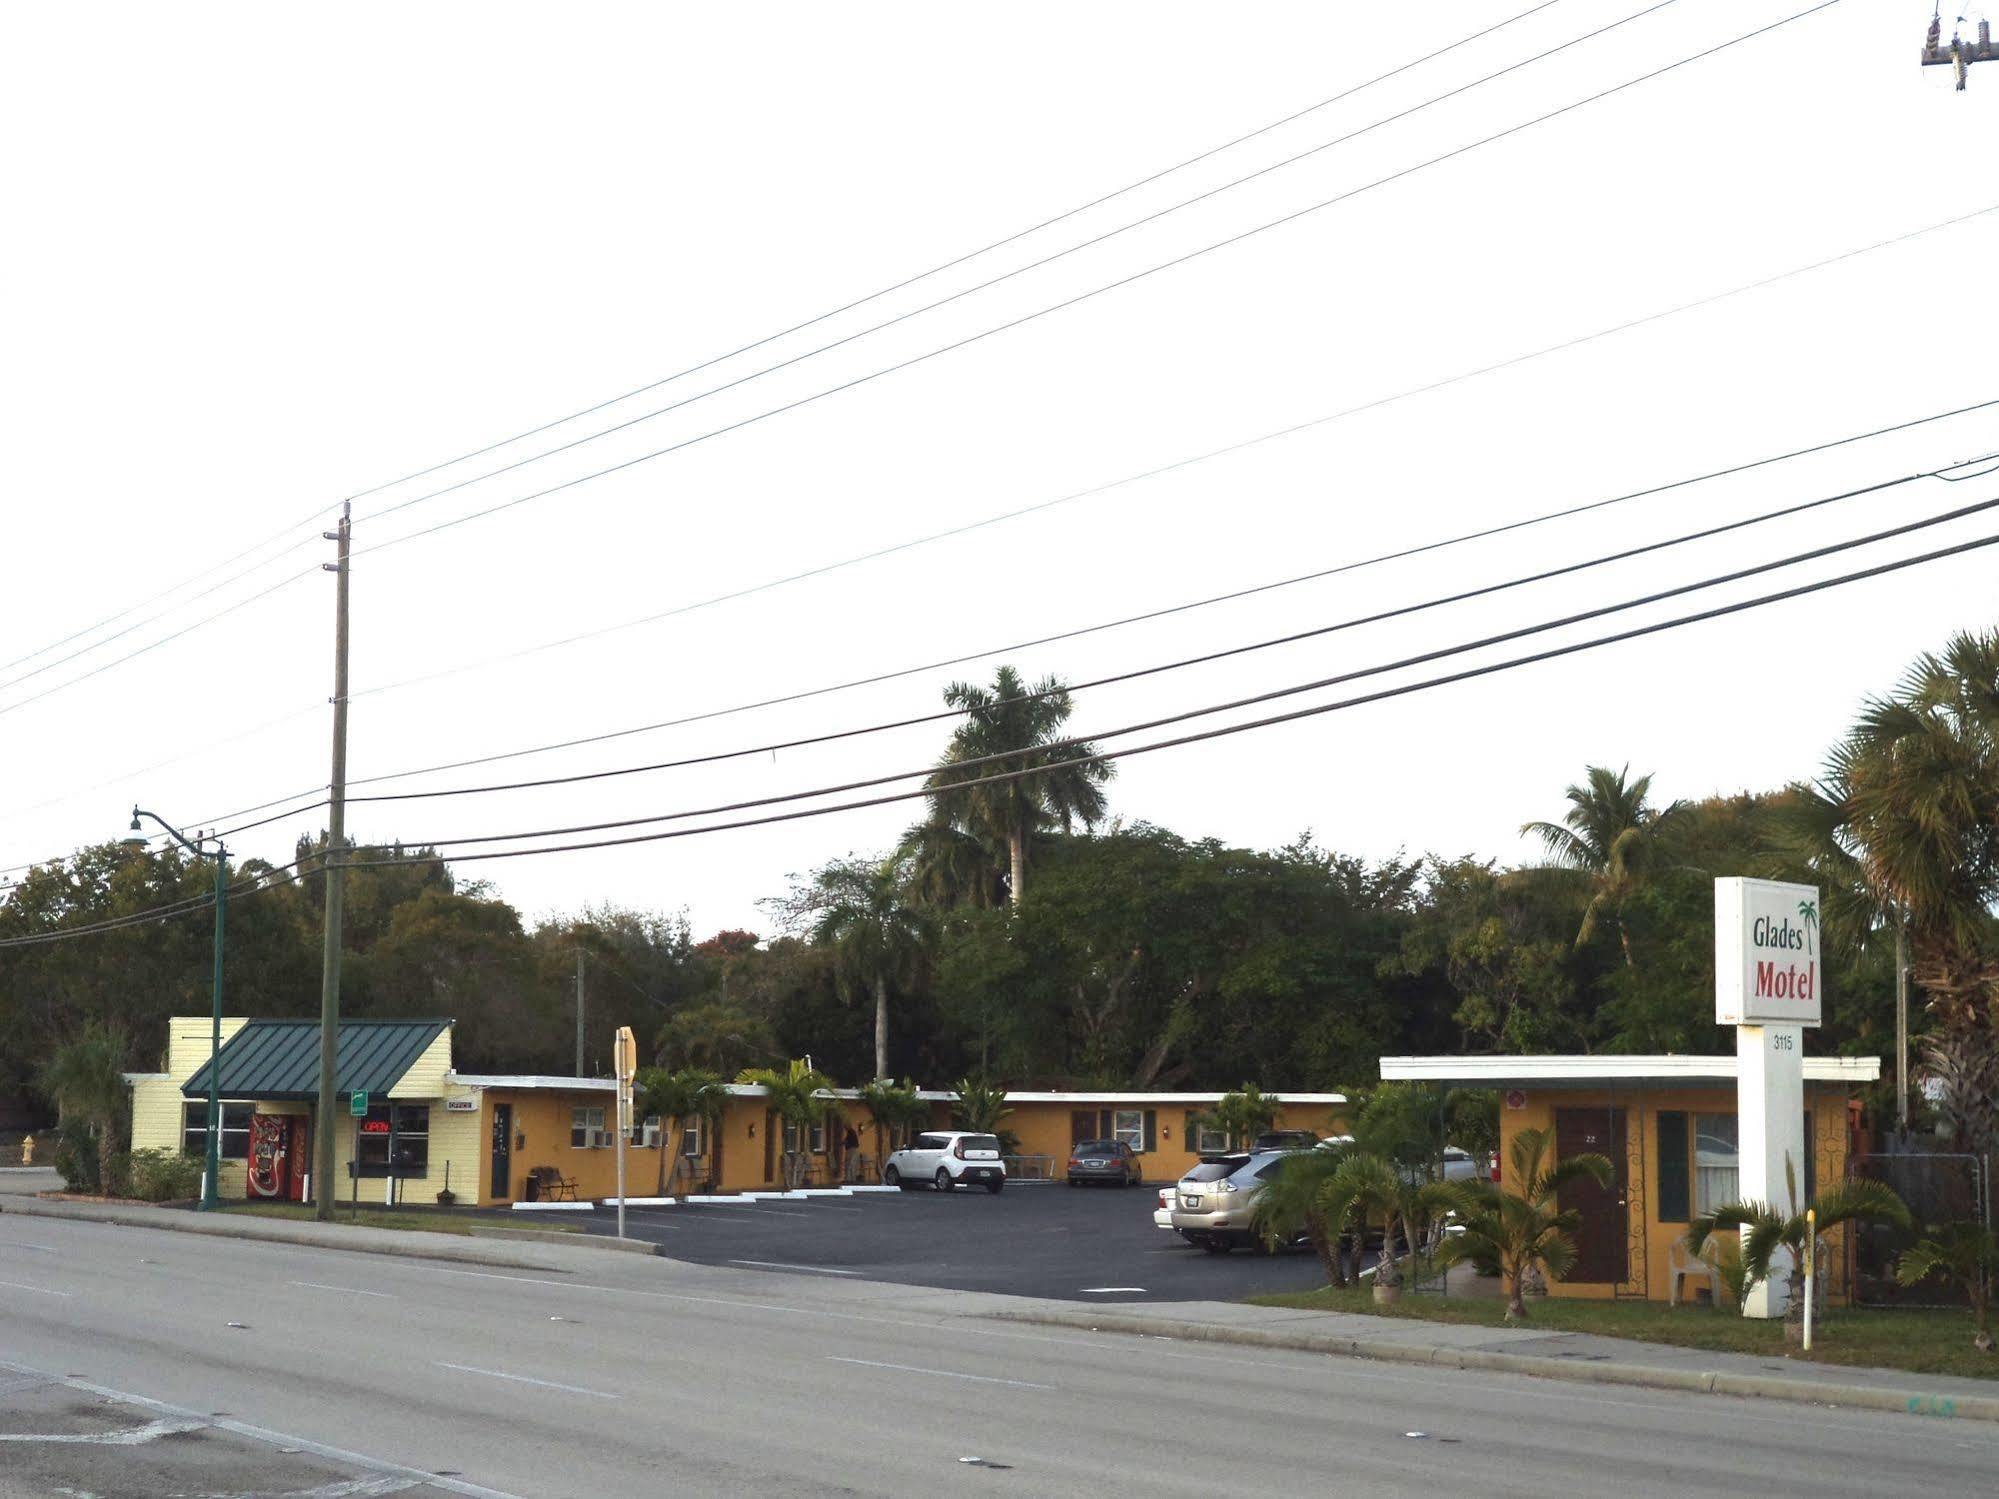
pixel 1690 1381
pixel 407 1243
pixel 560 1239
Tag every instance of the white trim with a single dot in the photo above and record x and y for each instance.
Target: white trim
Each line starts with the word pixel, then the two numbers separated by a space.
pixel 555 1207
pixel 1576 1070
pixel 529 1082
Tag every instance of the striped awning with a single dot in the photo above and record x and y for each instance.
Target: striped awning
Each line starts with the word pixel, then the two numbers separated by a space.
pixel 279 1059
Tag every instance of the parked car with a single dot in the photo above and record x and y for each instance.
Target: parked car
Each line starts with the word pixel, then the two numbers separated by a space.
pixel 1285 1139
pixel 1162 1216
pixel 1106 1162
pixel 1215 1203
pixel 944 1158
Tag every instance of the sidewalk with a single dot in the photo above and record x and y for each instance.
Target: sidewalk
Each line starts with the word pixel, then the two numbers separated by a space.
pixel 504 1248
pixel 1584 1357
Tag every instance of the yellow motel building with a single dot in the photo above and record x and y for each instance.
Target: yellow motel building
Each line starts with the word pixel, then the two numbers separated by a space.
pixel 494 1140
pixel 1668 1126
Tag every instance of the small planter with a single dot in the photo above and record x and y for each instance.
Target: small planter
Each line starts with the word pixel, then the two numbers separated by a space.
pixel 1387 1294
pixel 446 1198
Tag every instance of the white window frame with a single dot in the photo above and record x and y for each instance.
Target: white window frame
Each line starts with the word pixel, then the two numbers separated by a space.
pixel 587 1120
pixel 1132 1134
pixel 194 1140
pixel 648 1133
pixel 1209 1139
pixel 815 1139
pixel 1716 1183
pixel 692 1144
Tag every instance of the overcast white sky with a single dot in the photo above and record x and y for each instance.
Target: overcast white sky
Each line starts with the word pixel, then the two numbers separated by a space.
pixel 260 258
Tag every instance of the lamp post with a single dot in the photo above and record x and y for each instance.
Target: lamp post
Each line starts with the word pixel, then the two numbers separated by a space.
pixel 136 840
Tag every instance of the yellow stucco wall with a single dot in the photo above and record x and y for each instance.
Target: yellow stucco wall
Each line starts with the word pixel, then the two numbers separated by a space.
pixel 1651 1241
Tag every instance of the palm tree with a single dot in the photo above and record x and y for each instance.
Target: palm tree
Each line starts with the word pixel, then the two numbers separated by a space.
pixel 84 1079
pixel 1290 1203
pixel 676 1097
pixel 1023 725
pixel 1963 1254
pixel 1916 792
pixel 950 867
pixel 980 1106
pixel 1242 1115
pixel 877 934
pixel 1764 1230
pixel 1374 1191
pixel 1521 1228
pixel 801 1096
pixel 891 1107
pixel 1611 834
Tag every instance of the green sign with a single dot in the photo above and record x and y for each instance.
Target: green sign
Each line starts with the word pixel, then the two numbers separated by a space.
pixel 357 1104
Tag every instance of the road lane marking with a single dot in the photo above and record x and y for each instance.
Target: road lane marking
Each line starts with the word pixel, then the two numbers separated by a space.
pixel 808 1269
pixel 1024 1384
pixel 38 1290
pixel 1112 1290
pixel 314 1285
pixel 1515 1385
pixel 546 1384
pixel 24 1244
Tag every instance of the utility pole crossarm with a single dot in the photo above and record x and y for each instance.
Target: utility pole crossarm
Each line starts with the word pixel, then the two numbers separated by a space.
pixel 1957 52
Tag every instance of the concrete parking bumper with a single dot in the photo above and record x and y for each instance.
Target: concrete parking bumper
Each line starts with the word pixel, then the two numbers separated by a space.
pixel 1578 1357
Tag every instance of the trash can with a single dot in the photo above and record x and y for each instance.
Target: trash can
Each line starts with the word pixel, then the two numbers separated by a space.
pixel 531 1187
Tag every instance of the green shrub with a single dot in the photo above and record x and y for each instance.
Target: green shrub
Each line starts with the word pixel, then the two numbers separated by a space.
pixel 75 1158
pixel 162 1176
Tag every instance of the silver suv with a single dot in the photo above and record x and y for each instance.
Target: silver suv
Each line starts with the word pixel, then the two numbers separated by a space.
pixel 1215 1202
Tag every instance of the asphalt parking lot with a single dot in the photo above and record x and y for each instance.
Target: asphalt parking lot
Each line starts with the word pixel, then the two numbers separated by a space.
pixel 1034 1239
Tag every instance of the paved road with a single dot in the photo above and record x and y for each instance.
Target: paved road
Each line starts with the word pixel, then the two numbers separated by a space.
pixel 1042 1240
pixel 649 1376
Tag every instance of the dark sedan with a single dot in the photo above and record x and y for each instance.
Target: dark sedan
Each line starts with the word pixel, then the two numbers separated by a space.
pixel 1104 1161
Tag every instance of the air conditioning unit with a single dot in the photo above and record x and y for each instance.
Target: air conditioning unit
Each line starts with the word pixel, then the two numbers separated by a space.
pixel 602 1139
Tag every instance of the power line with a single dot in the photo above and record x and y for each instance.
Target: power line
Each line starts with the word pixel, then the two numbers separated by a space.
pixel 952 264
pixel 1022 270
pixel 1227 450
pixel 1831 549
pixel 1227 730
pixel 1122 281
pixel 1380 616
pixel 176 588
pixel 1470 673
pixel 150 646
pixel 1180 608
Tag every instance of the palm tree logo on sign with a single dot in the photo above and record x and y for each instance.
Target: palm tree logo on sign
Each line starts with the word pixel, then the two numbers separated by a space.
pixel 1808 913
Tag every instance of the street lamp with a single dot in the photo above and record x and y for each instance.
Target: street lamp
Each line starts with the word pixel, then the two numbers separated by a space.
pixel 135 839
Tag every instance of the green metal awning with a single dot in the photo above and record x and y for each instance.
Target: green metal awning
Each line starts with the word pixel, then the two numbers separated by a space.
pixel 279 1059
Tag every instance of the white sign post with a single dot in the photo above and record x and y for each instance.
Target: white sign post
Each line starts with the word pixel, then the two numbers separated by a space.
pixel 1768 984
pixel 626 1064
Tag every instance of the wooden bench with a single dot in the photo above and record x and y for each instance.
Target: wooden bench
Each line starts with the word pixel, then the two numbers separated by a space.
pixel 551 1185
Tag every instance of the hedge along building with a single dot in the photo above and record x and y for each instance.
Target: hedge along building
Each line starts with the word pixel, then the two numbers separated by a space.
pixel 1668 1124
pixel 496 1138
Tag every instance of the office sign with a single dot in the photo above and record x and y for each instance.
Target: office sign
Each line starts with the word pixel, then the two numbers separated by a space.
pixel 468 1104
pixel 357 1104
pixel 1766 953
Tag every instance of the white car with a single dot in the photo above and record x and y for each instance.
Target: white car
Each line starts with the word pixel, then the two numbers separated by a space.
pixel 1162 1216
pixel 944 1158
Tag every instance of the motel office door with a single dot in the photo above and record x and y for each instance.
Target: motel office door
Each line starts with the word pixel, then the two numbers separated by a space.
pixel 1603 1245
pixel 503 1150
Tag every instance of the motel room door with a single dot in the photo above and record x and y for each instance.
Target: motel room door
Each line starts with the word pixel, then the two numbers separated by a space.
pixel 1603 1244
pixel 503 1151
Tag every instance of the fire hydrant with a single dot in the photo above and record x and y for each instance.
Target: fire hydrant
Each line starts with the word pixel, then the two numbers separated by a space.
pixel 27 1150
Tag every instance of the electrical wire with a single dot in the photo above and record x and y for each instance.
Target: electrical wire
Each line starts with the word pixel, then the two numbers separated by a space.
pixel 1520 632
pixel 1067 689
pixel 1404 690
pixel 908 281
pixel 1081 297
pixel 265 878
pixel 176 588
pixel 1242 445
pixel 1022 270
pixel 1379 559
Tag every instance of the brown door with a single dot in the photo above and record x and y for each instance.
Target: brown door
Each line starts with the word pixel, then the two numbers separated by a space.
pixel 1603 1248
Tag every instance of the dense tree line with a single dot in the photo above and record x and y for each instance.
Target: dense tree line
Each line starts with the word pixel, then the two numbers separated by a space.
pixel 1020 933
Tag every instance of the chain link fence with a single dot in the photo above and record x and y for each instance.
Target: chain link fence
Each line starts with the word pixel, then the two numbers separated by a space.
pixel 1939 1187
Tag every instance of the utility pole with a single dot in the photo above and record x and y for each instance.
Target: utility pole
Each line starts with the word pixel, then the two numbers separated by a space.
pixel 1901 1022
pixel 1960 54
pixel 579 1004
pixel 336 843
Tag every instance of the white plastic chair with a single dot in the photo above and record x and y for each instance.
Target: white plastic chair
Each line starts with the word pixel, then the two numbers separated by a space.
pixel 1686 1266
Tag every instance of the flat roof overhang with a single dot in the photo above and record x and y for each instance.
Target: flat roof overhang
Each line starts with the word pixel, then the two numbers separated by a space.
pixel 1606 1071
